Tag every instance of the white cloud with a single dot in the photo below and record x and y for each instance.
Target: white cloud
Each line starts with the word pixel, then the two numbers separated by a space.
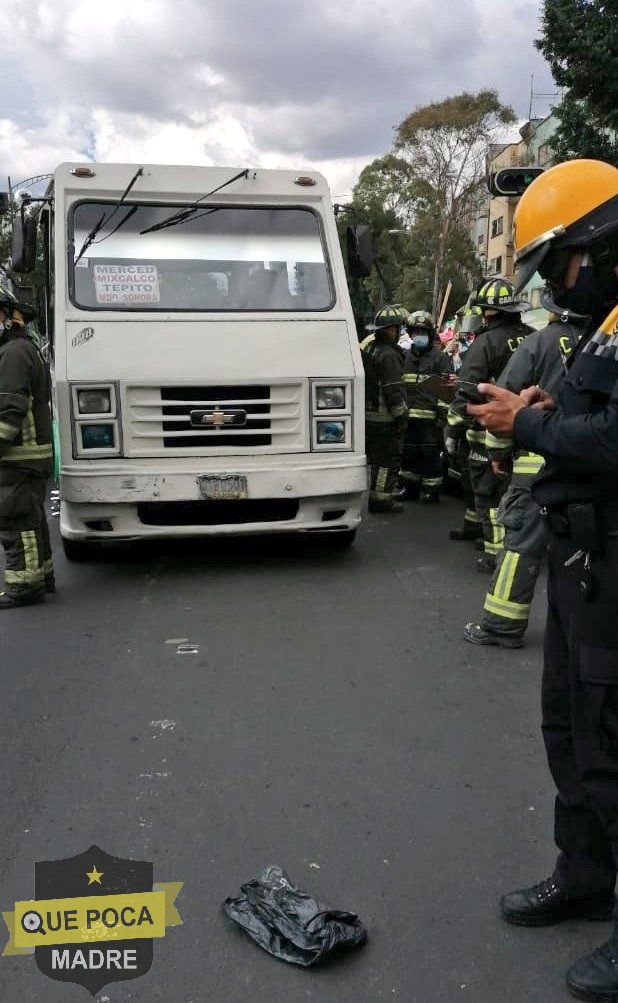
pixel 203 81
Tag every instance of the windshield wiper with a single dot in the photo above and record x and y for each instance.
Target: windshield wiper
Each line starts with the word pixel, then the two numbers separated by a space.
pixel 107 219
pixel 189 211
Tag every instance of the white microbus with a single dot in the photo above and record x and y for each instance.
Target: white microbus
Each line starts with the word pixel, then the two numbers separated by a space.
pixel 208 378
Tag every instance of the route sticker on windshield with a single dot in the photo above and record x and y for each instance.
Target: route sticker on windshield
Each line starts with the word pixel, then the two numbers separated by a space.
pixel 126 284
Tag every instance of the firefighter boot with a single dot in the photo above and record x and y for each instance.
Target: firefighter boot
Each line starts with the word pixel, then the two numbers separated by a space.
pixel 475 634
pixel 387 507
pixel 8 601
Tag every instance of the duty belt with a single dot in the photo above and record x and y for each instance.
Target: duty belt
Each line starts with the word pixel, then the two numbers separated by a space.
pixel 586 523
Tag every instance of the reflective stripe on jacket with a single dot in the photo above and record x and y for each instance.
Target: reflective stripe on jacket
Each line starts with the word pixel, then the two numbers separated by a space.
pixel 25 416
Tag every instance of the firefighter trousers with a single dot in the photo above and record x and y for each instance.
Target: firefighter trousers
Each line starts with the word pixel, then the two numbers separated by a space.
pixel 509 597
pixel 488 490
pixel 472 523
pixel 24 533
pixel 383 445
pixel 422 456
pixel 580 713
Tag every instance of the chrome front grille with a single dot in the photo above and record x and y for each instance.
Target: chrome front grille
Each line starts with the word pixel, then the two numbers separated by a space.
pixel 160 419
pixel 180 402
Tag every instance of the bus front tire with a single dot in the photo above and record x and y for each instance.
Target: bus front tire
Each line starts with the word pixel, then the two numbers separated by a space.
pixel 335 540
pixel 78 551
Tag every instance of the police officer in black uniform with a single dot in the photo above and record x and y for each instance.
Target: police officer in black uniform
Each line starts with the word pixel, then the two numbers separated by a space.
pixel 566 227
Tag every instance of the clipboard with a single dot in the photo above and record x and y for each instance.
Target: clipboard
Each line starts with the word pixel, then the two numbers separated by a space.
pixel 441 387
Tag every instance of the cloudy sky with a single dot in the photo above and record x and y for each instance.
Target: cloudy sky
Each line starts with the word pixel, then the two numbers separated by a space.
pixel 275 83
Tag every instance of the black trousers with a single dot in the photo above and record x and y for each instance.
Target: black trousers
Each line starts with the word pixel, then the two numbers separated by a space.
pixel 580 714
pixel 421 465
pixel 24 533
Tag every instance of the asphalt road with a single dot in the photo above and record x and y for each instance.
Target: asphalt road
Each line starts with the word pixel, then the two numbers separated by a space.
pixel 331 721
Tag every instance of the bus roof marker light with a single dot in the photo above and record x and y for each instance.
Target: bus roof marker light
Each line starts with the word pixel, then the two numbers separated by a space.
pixel 83 172
pixel 305 181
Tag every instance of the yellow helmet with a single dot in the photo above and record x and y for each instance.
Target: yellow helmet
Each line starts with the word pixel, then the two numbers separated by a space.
pixel 574 204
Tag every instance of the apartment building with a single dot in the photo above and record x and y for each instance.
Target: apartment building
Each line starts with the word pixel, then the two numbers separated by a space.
pixel 492 231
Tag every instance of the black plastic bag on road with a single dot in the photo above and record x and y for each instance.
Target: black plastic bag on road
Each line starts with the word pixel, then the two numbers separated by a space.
pixel 290 924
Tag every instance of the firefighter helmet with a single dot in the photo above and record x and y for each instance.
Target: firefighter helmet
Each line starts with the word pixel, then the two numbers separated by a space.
pixel 421 318
pixel 9 303
pixel 499 294
pixel 574 204
pixel 472 320
pixel 393 315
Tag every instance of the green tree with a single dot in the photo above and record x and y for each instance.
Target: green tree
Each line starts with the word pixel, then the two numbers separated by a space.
pixel 418 200
pixel 28 287
pixel 379 203
pixel 445 145
pixel 580 43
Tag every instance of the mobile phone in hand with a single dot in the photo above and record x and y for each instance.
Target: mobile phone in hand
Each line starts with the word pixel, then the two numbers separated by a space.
pixel 472 391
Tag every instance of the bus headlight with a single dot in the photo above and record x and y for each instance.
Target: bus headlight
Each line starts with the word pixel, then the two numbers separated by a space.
pixel 100 436
pixel 96 420
pixel 329 398
pixel 95 401
pixel 330 432
pixel 331 411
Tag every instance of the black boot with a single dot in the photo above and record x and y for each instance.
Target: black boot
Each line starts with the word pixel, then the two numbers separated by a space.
pixel 388 507
pixel 8 601
pixel 50 584
pixel 429 497
pixel 467 533
pixel 409 489
pixel 546 904
pixel 486 564
pixel 595 977
pixel 475 634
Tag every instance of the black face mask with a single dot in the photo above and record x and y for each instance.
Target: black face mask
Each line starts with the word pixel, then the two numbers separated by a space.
pixel 596 289
pixel 590 296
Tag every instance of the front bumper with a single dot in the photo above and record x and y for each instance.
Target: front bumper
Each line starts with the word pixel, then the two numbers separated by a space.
pixel 128 504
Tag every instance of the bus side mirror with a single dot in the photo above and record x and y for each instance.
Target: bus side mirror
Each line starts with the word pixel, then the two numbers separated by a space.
pixel 23 244
pixel 360 251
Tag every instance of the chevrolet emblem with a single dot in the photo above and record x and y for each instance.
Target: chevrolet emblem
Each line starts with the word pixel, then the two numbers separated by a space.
pixel 217 418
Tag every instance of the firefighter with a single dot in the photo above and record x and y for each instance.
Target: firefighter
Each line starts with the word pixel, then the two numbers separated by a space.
pixel 467 327
pixel 386 412
pixel 492 348
pixel 566 227
pixel 542 359
pixel 26 459
pixel 456 460
pixel 421 472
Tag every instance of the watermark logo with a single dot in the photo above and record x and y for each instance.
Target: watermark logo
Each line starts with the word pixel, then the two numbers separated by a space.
pixel 93 919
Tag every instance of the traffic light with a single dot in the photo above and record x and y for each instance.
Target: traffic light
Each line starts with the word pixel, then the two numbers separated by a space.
pixel 512 180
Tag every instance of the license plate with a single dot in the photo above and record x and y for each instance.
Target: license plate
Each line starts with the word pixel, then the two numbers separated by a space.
pixel 228 488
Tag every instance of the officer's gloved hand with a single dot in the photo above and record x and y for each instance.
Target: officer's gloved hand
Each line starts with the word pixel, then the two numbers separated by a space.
pixel 451 445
